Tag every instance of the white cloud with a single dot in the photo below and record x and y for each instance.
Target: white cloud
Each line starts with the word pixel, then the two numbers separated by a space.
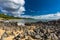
pixel 15 7
pixel 53 16
pixel 48 16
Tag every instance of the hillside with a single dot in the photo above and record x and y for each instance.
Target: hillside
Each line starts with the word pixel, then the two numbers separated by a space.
pixel 11 17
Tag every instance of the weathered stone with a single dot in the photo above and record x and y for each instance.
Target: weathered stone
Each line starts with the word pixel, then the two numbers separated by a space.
pixel 17 37
pixel 37 36
pixel 4 36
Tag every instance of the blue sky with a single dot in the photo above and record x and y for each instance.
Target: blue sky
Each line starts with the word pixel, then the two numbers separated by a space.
pixel 42 7
pixel 38 9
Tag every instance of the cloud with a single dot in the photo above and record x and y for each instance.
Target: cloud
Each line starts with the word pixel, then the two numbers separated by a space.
pixel 14 7
pixel 53 16
pixel 49 16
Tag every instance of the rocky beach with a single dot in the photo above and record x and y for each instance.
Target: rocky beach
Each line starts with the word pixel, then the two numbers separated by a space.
pixel 31 31
pixel 29 19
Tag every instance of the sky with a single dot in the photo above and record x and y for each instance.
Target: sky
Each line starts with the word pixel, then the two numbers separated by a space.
pixel 42 7
pixel 38 9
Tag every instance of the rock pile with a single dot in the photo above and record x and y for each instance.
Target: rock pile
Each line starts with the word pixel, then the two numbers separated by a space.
pixel 32 32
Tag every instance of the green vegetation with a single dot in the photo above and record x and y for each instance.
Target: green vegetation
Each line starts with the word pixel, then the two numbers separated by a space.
pixel 11 17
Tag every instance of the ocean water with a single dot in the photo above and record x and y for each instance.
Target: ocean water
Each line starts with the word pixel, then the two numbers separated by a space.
pixel 23 20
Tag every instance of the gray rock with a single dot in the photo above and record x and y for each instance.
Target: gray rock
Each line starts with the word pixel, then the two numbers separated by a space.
pixel 26 33
pixel 4 35
pixel 37 36
pixel 18 37
pixel 32 33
